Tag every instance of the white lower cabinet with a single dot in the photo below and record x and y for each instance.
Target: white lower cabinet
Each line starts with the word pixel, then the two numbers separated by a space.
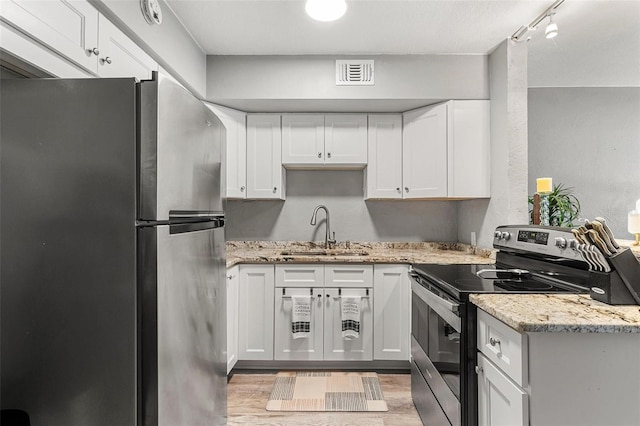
pixel 302 349
pixel 556 378
pixel 233 283
pixel 255 312
pixel 501 402
pixel 265 312
pixel 392 312
pixel 336 347
pixel 325 284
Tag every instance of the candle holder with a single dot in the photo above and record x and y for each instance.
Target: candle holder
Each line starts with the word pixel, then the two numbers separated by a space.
pixel 544 188
pixel 544 208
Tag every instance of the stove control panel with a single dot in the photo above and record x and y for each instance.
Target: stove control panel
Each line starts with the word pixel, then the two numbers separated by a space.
pixel 553 241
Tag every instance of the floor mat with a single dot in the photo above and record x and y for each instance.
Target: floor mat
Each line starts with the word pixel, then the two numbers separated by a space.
pixel 326 391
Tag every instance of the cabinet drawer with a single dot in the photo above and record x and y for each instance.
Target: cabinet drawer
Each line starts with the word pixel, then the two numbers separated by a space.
pixel 348 275
pixel 504 346
pixel 300 276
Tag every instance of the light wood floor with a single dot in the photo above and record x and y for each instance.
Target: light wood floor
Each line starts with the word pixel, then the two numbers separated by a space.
pixel 248 395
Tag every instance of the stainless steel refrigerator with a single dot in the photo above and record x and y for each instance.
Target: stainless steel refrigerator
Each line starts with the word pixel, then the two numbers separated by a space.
pixel 112 290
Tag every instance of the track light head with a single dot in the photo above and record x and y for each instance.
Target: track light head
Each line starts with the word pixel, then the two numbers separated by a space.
pixel 552 29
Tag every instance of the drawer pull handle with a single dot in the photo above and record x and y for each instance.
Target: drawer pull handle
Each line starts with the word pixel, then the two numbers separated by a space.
pixel 493 341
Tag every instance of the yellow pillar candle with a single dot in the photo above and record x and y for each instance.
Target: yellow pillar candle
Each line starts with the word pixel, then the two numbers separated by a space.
pixel 544 185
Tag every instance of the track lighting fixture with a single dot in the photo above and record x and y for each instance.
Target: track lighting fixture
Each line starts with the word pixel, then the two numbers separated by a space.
pixel 552 28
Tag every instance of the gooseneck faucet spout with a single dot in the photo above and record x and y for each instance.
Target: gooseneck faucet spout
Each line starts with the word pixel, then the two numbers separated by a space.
pixel 328 241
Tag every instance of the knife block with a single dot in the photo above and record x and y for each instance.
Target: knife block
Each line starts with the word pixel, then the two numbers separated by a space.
pixel 621 286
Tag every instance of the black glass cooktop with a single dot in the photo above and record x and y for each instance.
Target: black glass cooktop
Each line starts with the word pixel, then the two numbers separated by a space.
pixel 461 280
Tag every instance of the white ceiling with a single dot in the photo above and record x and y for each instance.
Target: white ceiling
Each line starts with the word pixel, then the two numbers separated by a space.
pixel 598 42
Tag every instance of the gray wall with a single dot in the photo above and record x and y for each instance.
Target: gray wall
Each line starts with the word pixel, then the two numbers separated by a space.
pixel 588 139
pixel 352 218
pixel 508 202
pixel 294 83
pixel 168 43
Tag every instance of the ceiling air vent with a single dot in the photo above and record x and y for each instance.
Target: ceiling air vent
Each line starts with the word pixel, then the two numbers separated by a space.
pixel 354 72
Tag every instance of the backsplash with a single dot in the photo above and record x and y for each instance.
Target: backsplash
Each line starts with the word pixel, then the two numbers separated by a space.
pixel 352 218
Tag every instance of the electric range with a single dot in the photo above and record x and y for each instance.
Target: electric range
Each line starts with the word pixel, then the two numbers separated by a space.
pixel 531 259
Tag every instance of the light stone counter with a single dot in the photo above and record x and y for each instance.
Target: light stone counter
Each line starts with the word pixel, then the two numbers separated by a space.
pixel 574 313
pixel 376 252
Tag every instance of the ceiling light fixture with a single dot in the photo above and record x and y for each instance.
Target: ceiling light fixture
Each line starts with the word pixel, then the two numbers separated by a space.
pixel 326 10
pixel 552 28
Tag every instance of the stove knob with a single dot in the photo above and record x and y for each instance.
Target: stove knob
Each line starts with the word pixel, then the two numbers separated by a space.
pixel 573 244
pixel 561 242
pixel 497 234
pixel 506 236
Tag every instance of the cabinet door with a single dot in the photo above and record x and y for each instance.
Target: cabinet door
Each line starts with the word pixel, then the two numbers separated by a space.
pixel 255 310
pixel 392 312
pixel 233 284
pixel 68 27
pixel 469 149
pixel 345 139
pixel 302 139
pixel 301 349
pixel 120 56
pixel 264 157
pixel 424 153
pixel 384 165
pixel 236 149
pixel 336 347
pixel 500 401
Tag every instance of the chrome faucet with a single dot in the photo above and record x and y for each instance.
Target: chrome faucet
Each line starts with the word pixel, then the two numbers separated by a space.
pixel 328 241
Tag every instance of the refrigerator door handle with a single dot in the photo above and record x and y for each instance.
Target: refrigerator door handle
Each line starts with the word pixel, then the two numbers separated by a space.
pixel 190 215
pixel 184 227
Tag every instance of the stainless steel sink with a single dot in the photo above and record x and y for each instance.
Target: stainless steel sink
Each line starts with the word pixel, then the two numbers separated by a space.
pixel 325 253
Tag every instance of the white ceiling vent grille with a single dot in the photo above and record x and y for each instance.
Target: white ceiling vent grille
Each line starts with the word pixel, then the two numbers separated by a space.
pixel 354 73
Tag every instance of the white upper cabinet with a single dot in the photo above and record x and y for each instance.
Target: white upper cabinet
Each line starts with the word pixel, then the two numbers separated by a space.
pixel 119 56
pixel 443 152
pixel 302 139
pixel 68 27
pixel 469 149
pixel 324 140
pixel 424 163
pixel 76 31
pixel 345 139
pixel 236 149
pixel 384 170
pixel 265 179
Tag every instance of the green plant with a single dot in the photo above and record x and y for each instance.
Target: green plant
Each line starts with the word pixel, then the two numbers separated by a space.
pixel 564 207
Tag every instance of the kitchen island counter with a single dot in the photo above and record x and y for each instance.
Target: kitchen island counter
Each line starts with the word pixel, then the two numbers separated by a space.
pixel 574 313
pixel 357 252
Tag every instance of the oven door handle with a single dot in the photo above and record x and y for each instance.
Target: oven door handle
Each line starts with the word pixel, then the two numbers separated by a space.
pixel 446 309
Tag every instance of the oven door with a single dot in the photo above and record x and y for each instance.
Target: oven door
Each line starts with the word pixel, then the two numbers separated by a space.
pixel 436 350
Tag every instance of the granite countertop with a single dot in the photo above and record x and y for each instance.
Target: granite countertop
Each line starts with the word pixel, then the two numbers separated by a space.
pixel 575 313
pixel 358 252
